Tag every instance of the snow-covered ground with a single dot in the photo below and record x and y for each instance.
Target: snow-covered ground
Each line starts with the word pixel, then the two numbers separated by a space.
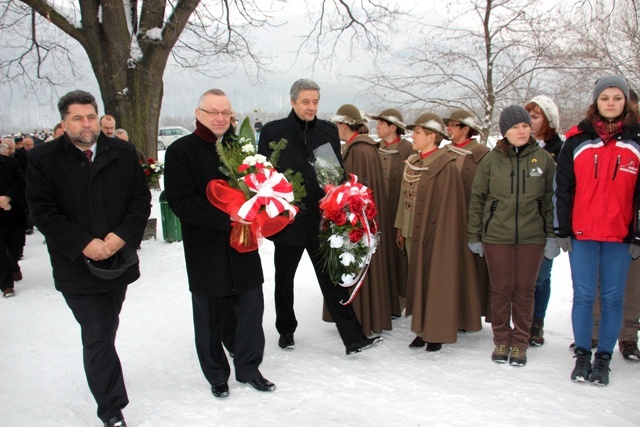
pixel 42 381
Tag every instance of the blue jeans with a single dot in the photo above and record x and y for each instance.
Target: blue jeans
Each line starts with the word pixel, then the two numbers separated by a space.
pixel 588 260
pixel 543 289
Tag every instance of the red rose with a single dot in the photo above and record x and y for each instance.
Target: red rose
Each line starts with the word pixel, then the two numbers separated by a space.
pixel 356 235
pixel 151 161
pixel 356 204
pixel 339 217
pixel 371 210
pixel 147 172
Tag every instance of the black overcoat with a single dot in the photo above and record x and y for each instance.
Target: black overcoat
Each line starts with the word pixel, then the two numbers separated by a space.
pixel 214 268
pixel 302 138
pixel 72 203
pixel 12 184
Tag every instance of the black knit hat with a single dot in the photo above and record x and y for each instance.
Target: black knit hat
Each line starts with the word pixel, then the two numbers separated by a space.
pixel 511 116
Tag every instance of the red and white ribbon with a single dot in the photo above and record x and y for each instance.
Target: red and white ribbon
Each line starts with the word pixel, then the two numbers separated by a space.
pixel 273 191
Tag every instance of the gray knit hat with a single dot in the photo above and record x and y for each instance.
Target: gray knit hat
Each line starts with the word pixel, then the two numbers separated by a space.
pixel 511 116
pixel 549 108
pixel 610 81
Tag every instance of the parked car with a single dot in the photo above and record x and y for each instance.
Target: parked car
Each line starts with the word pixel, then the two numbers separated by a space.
pixel 167 135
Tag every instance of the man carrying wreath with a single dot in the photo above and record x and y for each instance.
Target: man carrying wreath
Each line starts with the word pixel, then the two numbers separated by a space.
pixel 219 276
pixel 304 133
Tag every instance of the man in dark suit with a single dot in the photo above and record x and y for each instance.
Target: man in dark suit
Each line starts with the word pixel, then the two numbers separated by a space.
pixel 89 197
pixel 12 217
pixel 304 133
pixel 219 276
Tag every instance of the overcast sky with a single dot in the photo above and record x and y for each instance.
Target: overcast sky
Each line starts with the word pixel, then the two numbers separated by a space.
pixel 26 110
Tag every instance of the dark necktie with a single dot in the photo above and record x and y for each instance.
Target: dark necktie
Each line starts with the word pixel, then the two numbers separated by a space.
pixel 89 155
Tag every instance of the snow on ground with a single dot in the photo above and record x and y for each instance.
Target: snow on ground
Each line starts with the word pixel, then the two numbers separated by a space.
pixel 42 381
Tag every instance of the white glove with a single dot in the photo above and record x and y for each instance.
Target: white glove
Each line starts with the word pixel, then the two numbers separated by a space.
pixel 476 248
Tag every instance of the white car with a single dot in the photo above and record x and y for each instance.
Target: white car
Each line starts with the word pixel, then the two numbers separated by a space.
pixel 167 135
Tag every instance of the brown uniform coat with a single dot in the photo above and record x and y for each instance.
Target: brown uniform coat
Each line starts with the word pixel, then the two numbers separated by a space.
pixel 393 163
pixel 441 295
pixel 467 160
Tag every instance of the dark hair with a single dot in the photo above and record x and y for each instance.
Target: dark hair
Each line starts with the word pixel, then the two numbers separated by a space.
pixel 358 127
pixel 546 132
pixel 399 130
pixel 75 97
pixel 504 146
pixel 629 114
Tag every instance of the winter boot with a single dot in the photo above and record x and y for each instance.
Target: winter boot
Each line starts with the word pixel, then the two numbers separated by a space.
pixel 500 353
pixel 537 332
pixel 600 372
pixel 518 356
pixel 629 350
pixel 582 371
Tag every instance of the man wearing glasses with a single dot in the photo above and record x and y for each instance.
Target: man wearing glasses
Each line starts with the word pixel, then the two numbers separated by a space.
pixel 219 276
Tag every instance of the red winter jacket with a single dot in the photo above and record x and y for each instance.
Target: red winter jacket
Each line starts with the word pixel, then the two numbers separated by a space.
pixel 598 190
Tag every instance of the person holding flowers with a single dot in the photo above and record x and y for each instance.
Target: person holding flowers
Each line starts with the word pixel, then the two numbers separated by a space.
pixel 441 294
pixel 218 274
pixel 360 158
pixel 304 134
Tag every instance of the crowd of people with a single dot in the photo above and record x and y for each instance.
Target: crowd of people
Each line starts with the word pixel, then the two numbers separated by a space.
pixel 466 232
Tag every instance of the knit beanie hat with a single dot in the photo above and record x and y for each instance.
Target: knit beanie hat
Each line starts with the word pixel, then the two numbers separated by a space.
pixel 511 116
pixel 610 81
pixel 549 108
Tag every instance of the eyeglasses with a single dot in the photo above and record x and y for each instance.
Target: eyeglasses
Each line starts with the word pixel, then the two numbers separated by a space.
pixel 226 113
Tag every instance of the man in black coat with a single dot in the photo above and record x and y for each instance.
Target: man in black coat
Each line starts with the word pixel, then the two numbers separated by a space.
pixel 12 219
pixel 304 133
pixel 89 197
pixel 218 274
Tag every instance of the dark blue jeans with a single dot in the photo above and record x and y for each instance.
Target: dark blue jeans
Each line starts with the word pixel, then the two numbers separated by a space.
pixel 543 289
pixel 612 261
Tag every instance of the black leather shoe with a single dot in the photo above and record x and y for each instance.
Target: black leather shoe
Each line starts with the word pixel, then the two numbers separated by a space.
pixel 363 344
pixel 434 346
pixel 220 390
pixel 286 342
pixel 117 421
pixel 261 384
pixel 417 342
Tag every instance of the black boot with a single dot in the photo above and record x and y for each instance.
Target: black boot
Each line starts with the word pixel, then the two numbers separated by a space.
pixel 600 372
pixel 582 371
pixel 537 333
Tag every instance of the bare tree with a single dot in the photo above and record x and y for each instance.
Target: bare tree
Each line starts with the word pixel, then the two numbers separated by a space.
pixel 490 54
pixel 128 44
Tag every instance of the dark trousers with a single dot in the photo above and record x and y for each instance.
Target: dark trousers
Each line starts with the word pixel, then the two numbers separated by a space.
pixel 286 260
pixel 14 239
pixel 6 280
pixel 209 317
pixel 513 270
pixel 98 316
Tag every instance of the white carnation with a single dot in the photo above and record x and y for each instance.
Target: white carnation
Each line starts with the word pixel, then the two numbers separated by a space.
pixel 347 258
pixel 336 241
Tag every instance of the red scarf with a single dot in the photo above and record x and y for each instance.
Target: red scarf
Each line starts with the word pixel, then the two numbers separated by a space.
pixel 205 133
pixel 462 144
pixel 354 136
pixel 606 130
pixel 395 141
pixel 427 154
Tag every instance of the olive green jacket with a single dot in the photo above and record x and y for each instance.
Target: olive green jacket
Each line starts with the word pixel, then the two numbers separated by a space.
pixel 511 197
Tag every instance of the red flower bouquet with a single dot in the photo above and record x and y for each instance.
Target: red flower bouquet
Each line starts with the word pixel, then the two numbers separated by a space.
pixel 259 199
pixel 348 233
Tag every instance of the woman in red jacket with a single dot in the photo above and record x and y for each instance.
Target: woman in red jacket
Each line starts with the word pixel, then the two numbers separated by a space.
pixel 598 194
